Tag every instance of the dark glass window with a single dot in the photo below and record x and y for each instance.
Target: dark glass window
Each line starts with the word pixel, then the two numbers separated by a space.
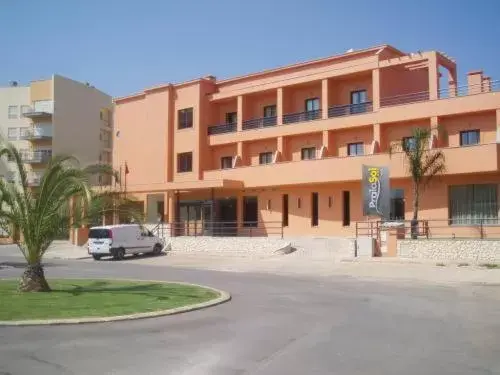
pixel 250 211
pixel 308 153
pixel 265 158
pixel 312 104
pixel 226 162
pixel 185 162
pixel 346 208
pixel 231 118
pixel 469 137
pixel 314 209
pixel 185 118
pixel 354 149
pixel 285 210
pixel 270 111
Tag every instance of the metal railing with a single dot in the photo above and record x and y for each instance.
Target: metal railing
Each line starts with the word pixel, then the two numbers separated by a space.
pixel 480 228
pixel 197 228
pixel 32 134
pixel 350 109
pixel 37 156
pixel 302 116
pixel 221 129
pixel 258 123
pixel 466 90
pixel 404 98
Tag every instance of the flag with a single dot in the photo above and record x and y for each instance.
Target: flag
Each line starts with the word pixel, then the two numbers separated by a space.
pixel 126 168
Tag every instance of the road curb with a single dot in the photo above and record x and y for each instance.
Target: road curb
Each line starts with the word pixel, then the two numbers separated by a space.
pixel 222 298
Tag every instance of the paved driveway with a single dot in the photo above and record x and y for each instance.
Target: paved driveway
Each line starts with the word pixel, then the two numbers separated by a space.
pixel 273 325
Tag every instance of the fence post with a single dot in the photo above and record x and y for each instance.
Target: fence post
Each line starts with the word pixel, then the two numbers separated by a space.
pixel 481 229
pixel 251 231
pixel 195 227
pixel 281 230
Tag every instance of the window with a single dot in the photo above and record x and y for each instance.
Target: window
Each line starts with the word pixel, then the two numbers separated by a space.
pixel 409 143
pixel 12 112
pixel 226 162
pixel 250 211
pixel 231 118
pixel 346 209
pixel 265 158
pixel 13 133
pixel 185 118
pixel 469 137
pixel 397 204
pixel 25 109
pixel 473 204
pixel 308 153
pixel 358 101
pixel 312 104
pixel 354 149
pixel 185 162
pixel 270 111
pixel 314 209
pixel 285 210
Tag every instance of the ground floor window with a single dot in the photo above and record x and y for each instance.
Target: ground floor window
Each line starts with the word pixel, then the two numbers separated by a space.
pixel 397 204
pixel 250 211
pixel 473 204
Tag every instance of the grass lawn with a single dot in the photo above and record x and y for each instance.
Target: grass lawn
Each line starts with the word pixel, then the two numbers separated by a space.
pixel 92 298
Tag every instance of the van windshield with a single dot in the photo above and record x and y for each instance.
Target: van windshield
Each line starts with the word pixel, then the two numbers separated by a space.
pixel 100 233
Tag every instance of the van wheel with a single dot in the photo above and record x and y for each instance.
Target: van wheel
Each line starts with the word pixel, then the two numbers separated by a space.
pixel 96 257
pixel 119 254
pixel 157 249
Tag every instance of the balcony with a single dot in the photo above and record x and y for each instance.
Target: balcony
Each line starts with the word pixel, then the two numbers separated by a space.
pixel 37 113
pixel 459 160
pixel 36 133
pixel 36 157
pixel 222 129
pixel 302 116
pixel 34 179
pixel 259 123
pixel 350 109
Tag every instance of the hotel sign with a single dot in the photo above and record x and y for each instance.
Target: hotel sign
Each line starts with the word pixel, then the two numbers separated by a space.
pixel 376 191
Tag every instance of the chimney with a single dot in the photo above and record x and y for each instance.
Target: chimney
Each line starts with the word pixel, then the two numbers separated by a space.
pixel 486 84
pixel 475 82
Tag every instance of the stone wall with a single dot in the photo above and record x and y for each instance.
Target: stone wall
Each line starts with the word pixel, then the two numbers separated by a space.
pixel 230 246
pixel 451 249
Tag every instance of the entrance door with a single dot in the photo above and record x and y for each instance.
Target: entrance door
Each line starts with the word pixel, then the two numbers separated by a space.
pixel 227 216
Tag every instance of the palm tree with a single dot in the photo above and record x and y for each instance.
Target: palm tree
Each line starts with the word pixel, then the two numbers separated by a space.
pixel 424 163
pixel 39 215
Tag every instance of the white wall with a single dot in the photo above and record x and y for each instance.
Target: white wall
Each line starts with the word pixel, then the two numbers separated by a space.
pixel 13 96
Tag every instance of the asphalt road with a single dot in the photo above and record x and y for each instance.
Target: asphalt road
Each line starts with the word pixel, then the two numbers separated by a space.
pixel 273 325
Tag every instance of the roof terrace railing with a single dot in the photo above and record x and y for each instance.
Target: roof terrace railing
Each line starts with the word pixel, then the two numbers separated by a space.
pixel 302 116
pixel 350 109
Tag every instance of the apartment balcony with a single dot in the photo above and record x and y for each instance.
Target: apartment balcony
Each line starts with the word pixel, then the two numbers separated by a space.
pixel 35 133
pixel 302 116
pixel 258 123
pixel 34 113
pixel 222 129
pixel 34 179
pixel 350 109
pixel 459 160
pixel 36 157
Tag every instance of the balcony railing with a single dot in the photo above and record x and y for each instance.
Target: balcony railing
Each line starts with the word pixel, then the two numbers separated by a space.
pixel 465 90
pixel 350 109
pixel 34 134
pixel 37 156
pixel 405 98
pixel 221 129
pixel 258 123
pixel 35 112
pixel 302 116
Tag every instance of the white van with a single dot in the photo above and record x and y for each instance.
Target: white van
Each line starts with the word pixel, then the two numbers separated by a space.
pixel 118 240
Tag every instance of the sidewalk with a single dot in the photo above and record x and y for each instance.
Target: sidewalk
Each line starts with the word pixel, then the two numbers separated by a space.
pixel 388 269
pixel 58 250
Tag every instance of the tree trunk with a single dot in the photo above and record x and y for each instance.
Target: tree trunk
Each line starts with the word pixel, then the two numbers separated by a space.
pixel 33 279
pixel 414 221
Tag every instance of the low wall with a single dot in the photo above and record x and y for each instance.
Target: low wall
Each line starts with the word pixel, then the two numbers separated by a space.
pixel 230 246
pixel 451 249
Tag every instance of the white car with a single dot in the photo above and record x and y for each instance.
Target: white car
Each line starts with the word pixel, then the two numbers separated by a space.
pixel 118 240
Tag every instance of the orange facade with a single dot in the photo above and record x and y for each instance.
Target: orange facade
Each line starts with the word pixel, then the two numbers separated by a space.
pixel 215 150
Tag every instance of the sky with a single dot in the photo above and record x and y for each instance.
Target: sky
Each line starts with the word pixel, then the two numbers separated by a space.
pixel 123 46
